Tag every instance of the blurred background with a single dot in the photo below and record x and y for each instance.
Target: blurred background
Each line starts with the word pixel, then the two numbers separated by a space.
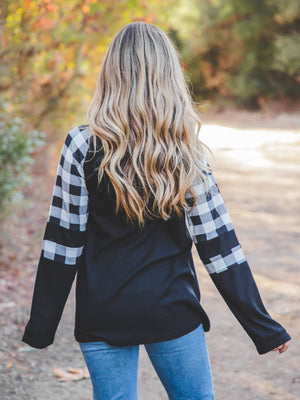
pixel 242 63
pixel 235 53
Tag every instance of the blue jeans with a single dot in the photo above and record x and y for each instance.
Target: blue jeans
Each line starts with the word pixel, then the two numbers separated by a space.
pixel 182 365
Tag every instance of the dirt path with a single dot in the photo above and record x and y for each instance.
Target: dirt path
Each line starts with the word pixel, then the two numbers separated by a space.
pixel 262 193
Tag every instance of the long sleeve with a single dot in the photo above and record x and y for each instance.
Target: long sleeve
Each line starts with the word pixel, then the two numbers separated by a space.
pixel 213 234
pixel 63 243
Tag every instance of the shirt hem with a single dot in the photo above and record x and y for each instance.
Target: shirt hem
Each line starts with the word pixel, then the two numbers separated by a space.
pixel 145 340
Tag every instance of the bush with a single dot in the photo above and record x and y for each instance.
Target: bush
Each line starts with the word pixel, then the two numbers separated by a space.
pixel 17 149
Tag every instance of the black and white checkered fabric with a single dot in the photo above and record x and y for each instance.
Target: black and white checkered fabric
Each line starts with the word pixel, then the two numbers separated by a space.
pixel 68 213
pixel 211 228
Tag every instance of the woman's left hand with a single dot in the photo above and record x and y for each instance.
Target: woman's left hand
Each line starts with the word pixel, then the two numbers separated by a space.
pixel 283 347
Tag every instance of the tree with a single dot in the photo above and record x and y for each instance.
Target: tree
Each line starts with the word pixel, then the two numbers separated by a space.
pixel 51 52
pixel 244 50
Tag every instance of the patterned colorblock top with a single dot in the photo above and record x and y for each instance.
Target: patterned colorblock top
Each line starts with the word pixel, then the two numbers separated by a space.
pixel 135 285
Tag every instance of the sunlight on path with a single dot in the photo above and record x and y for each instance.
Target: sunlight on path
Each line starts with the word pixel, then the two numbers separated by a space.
pixel 250 146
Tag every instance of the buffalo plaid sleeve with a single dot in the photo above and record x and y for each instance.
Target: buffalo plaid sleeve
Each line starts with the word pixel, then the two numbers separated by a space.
pixel 218 247
pixel 63 243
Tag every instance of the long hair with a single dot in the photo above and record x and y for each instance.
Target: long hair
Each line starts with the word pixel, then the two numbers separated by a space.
pixel 148 125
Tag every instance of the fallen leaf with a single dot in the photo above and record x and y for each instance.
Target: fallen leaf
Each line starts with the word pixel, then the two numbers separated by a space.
pixel 9 364
pixel 74 374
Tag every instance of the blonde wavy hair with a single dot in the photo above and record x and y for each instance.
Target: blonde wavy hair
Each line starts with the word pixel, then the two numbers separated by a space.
pixel 143 114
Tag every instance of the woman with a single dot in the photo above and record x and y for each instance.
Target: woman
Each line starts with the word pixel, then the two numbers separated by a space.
pixel 133 192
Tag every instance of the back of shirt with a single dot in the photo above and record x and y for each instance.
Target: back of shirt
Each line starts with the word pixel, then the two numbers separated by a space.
pixel 135 285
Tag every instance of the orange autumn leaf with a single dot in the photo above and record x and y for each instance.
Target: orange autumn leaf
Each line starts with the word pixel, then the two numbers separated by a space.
pixel 27 4
pixel 74 374
pixel 86 9
pixel 45 23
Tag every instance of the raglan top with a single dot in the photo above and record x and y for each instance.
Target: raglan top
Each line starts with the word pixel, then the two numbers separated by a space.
pixel 136 285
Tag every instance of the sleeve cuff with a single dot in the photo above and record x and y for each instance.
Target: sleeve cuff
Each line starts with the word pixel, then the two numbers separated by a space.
pixel 37 340
pixel 272 344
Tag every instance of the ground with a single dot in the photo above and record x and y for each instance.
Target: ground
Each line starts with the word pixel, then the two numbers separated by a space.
pixel 259 181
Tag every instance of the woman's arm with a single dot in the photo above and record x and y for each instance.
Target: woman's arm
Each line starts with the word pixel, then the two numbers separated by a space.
pixel 63 243
pixel 222 255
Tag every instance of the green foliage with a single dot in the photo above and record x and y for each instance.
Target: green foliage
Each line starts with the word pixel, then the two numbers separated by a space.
pixel 243 50
pixel 287 54
pixel 17 149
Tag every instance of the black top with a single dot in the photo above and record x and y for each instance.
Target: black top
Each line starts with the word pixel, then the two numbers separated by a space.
pixel 136 285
